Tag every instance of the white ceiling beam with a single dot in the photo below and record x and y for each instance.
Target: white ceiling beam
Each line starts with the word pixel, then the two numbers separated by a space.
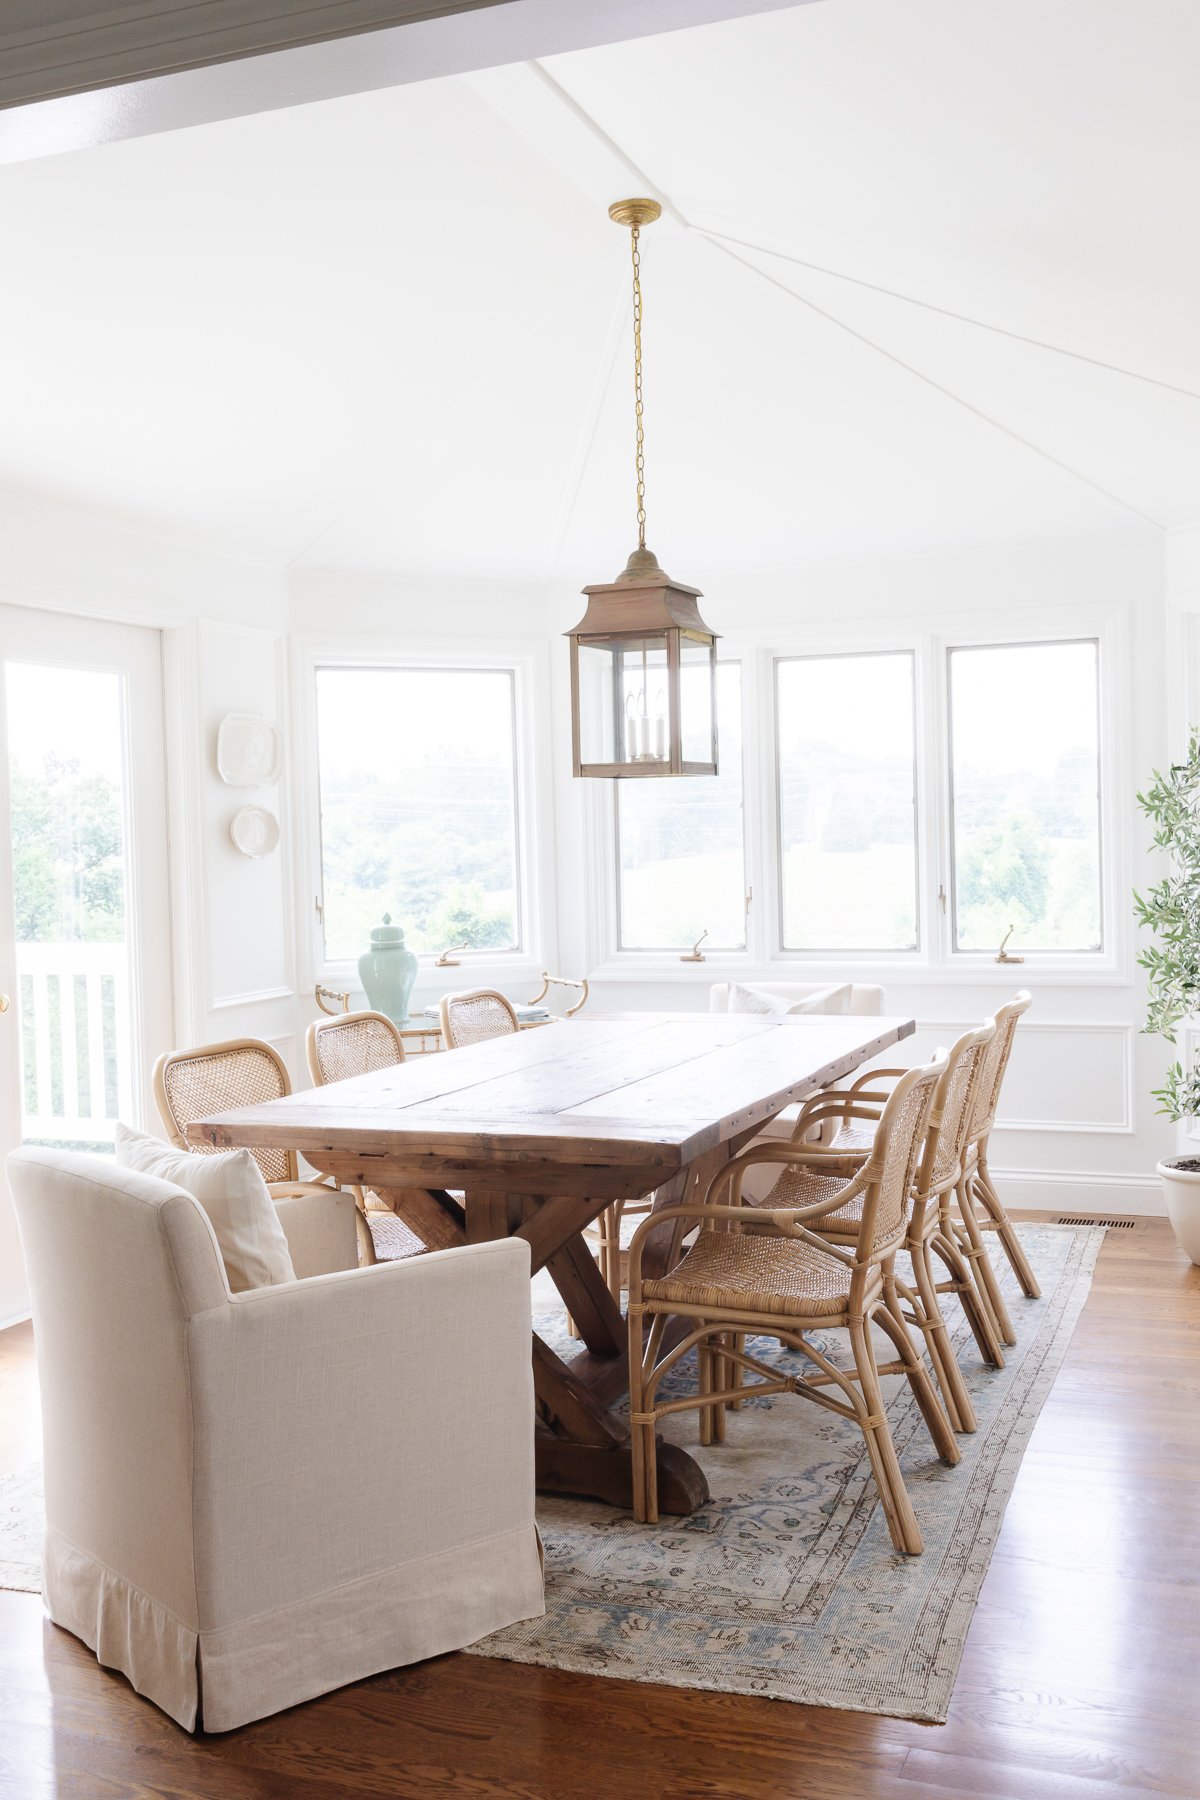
pixel 463 36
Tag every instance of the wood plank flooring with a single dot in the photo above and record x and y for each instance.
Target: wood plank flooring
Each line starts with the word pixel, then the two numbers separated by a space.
pixel 1078 1683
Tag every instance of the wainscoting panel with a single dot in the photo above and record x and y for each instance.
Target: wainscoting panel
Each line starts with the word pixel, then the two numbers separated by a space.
pixel 1064 1077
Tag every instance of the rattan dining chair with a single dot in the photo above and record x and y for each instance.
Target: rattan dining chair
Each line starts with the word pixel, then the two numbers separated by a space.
pixel 785 1280
pixel 473 1017
pixel 854 1114
pixel 341 1046
pixel 351 1044
pixel 190 1085
pixel 979 1207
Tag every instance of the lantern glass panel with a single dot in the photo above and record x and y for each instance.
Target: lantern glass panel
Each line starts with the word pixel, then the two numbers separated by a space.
pixel 597 686
pixel 696 670
pixel 645 711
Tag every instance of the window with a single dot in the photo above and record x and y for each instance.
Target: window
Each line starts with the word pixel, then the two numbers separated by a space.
pixel 847 801
pixel 680 846
pixel 1025 786
pixel 417 771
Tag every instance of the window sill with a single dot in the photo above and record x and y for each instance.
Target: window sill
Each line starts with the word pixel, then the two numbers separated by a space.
pixel 652 968
pixel 504 970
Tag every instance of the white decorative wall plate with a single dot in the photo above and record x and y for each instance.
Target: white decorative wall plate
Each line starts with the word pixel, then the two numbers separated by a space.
pixel 248 752
pixel 254 830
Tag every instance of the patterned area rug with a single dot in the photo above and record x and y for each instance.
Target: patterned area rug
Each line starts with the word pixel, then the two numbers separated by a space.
pixel 786 1583
pixel 21 1530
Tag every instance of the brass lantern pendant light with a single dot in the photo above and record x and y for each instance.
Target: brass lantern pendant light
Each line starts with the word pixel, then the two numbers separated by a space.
pixel 643 662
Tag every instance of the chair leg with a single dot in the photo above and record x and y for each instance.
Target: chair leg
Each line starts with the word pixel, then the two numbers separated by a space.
pixel 902 1520
pixel 723 1374
pixel 940 1429
pixel 946 1248
pixel 706 1359
pixel 736 1371
pixel 981 1263
pixel 610 1248
pixel 928 1312
pixel 1005 1230
pixel 641 1432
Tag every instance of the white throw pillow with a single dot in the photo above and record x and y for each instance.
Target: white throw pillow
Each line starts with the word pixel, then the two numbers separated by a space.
pixel 230 1188
pixel 755 1000
pixel 832 999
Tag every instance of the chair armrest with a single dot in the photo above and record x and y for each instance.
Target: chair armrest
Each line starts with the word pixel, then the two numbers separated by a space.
pixel 841 1110
pixel 357 1420
pixel 791 1221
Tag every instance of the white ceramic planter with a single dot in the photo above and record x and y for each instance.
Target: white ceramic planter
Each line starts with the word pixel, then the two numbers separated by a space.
pixel 1182 1190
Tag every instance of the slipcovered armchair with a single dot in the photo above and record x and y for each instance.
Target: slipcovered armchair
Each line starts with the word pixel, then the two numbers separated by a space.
pixel 253 1498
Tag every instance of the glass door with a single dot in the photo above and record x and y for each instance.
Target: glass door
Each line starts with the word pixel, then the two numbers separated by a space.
pixel 85 979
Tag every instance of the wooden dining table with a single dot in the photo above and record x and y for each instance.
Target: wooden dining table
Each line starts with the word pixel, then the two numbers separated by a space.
pixel 533 1135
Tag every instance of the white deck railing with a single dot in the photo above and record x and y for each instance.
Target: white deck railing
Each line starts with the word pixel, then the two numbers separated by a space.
pixel 75 1047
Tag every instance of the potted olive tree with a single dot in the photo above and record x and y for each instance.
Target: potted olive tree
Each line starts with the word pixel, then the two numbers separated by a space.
pixel 1171 910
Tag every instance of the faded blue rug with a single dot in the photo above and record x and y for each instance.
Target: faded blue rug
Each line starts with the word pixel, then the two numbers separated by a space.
pixel 786 1583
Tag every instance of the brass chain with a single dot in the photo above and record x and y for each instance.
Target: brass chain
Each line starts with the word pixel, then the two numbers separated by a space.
pixel 640 459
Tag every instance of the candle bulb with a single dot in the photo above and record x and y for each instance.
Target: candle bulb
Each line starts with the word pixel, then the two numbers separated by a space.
pixel 660 730
pixel 630 731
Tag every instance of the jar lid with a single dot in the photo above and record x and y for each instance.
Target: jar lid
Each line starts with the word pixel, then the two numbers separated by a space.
pixel 386 934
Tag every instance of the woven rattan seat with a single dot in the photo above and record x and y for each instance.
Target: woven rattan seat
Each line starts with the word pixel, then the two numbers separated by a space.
pixel 856 1134
pixel 800 1187
pixel 392 1239
pixel 755 1275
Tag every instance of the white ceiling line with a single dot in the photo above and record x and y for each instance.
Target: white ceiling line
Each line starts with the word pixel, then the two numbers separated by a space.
pixel 439 424
pixel 572 105
pixel 937 386
pixel 946 312
pixel 673 211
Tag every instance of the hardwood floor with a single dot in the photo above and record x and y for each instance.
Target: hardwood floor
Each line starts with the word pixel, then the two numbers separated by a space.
pixel 1078 1683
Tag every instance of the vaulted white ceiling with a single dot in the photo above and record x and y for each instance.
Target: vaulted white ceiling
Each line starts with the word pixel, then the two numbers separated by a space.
pixel 927 274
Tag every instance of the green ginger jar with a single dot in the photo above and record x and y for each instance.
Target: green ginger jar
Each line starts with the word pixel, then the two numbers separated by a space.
pixel 387 971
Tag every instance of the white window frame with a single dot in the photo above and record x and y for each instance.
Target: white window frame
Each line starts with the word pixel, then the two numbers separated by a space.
pixel 929 639
pixel 919 882
pixel 1107 629
pixel 512 970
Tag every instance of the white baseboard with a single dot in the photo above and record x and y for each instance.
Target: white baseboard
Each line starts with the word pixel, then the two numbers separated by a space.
pixel 1051 1190
pixel 17 1318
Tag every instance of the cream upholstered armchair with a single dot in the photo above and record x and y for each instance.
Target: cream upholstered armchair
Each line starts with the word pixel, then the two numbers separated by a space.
pixel 232 1520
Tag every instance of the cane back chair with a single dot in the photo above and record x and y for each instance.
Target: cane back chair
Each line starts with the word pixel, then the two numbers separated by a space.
pixel 980 1208
pixel 337 1048
pixel 855 1114
pixel 785 1280
pixel 190 1085
pixel 471 1018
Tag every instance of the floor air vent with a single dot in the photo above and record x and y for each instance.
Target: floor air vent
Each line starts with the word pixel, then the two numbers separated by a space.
pixel 1111 1224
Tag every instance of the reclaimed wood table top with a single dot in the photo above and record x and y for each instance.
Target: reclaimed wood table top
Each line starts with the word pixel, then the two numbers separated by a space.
pixel 533 1135
pixel 640 1090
